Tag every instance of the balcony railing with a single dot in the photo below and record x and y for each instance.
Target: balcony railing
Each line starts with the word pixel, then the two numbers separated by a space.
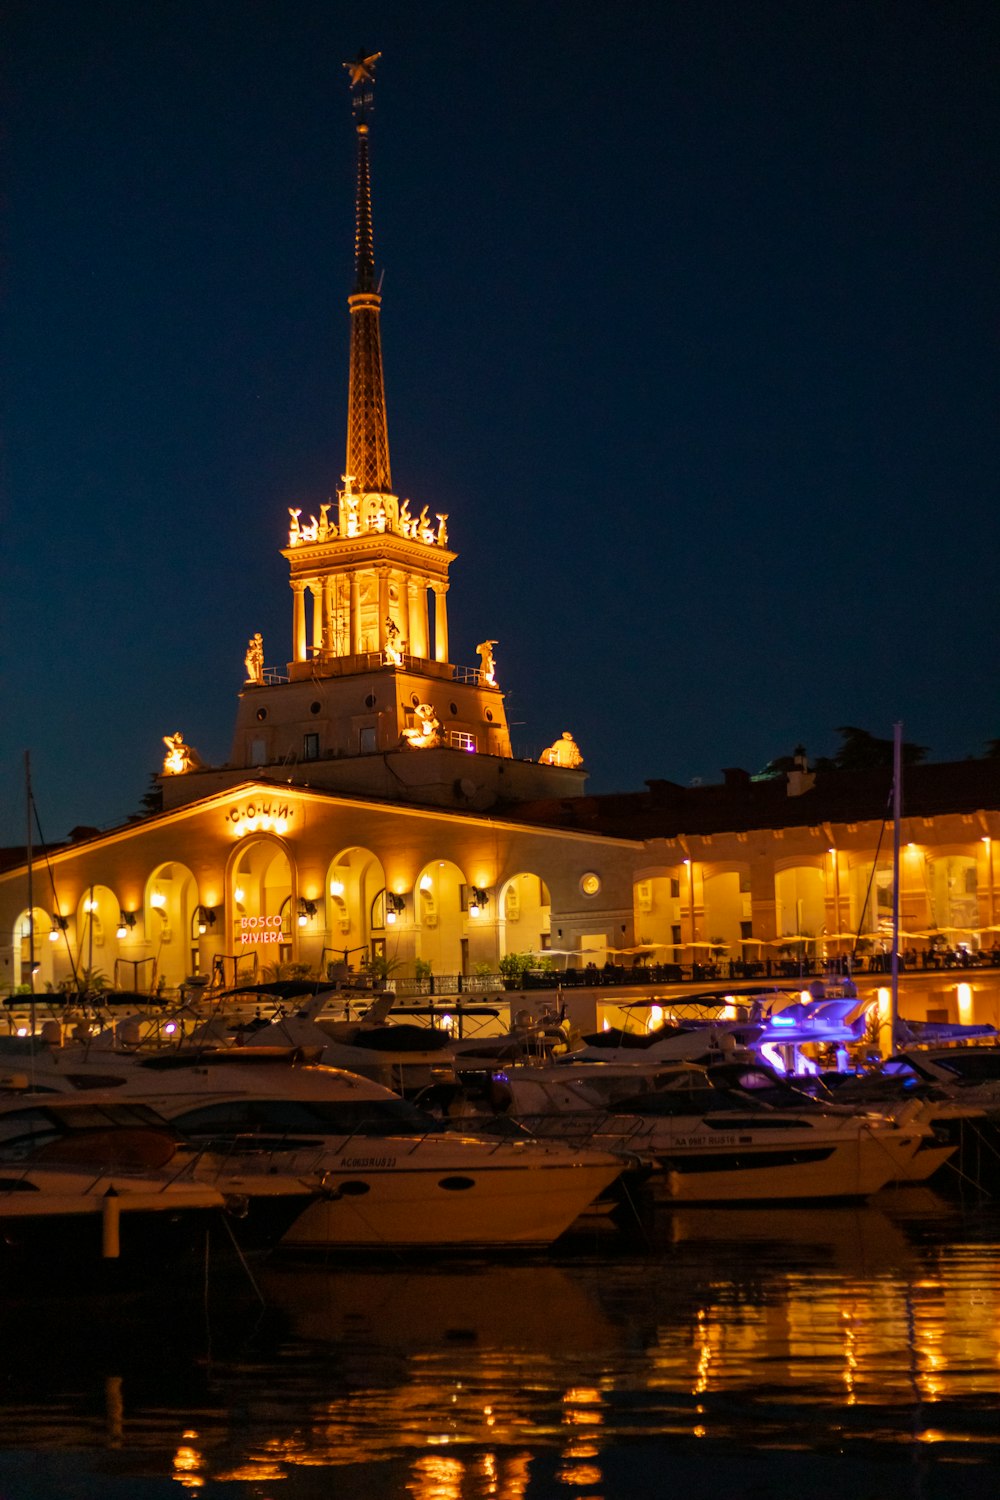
pixel 656 975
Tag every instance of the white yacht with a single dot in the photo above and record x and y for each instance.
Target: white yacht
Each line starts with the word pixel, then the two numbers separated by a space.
pixel 86 1156
pixel 92 1198
pixel 707 1142
pixel 392 1177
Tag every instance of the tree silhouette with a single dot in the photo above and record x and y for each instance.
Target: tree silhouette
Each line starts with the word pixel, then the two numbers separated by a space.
pixel 151 800
pixel 861 751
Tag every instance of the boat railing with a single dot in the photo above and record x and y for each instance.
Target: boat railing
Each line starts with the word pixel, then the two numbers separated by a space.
pixel 575 1128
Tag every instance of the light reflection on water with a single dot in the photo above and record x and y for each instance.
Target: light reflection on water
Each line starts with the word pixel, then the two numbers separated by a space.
pixel 746 1352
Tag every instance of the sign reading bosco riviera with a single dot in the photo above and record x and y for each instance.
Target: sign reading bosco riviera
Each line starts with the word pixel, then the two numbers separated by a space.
pixel 260 930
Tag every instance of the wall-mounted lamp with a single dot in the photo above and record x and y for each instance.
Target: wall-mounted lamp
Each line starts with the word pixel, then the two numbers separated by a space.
pixel 479 900
pixel 394 905
pixel 126 921
pixel 59 924
pixel 307 909
pixel 206 919
pixel 158 900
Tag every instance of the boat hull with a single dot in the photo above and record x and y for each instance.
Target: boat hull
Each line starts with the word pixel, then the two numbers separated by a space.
pixel 743 1164
pixel 467 1207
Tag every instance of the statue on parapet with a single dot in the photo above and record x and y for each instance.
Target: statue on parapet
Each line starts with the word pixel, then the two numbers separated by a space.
pixel 393 643
pixel 487 663
pixel 427 730
pixel 565 752
pixel 254 659
pixel 179 757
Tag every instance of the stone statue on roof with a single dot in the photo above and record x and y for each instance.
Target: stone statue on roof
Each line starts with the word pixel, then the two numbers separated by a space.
pixel 565 752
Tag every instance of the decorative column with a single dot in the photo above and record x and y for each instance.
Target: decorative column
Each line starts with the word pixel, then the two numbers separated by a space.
pixel 383 604
pixel 329 638
pixel 416 605
pixel 440 622
pixel 989 879
pixel 316 589
pixel 355 626
pixel 299 620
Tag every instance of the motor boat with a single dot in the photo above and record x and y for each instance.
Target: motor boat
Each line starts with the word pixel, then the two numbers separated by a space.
pixel 393 1177
pixel 118 1149
pixel 402 1056
pixel 959 1088
pixel 90 1196
pixel 706 1141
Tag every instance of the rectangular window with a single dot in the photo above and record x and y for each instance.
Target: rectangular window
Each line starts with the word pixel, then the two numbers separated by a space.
pixel 744 881
pixel 675 887
pixel 675 934
pixel 366 739
pixel 258 752
pixel 746 929
pixel 459 740
pixel 310 747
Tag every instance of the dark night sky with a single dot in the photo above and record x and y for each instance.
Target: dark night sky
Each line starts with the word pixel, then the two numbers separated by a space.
pixel 690 322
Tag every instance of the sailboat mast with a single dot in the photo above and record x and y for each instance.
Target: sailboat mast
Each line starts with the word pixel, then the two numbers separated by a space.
pixel 897 802
pixel 31 895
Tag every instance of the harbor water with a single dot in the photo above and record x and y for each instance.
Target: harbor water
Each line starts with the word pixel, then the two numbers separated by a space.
pixel 850 1350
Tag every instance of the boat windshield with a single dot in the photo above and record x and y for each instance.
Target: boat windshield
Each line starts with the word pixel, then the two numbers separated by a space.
pixel 281 1118
pixel 24 1130
pixel 700 1101
pixel 971 1067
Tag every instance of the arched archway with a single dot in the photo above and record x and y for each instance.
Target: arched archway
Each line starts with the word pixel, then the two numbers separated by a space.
pixel 170 902
pixel 525 914
pixel 658 912
pixel 800 893
pixel 261 888
pixel 441 916
pixel 33 956
pixel 355 906
pixel 870 899
pixel 97 946
pixel 953 881
pixel 727 909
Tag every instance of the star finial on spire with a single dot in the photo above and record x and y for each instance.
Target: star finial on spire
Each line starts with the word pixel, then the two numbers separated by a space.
pixel 362 68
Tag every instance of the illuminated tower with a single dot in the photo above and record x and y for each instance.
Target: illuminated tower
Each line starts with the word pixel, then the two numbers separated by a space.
pixel 370 673
pixel 368 575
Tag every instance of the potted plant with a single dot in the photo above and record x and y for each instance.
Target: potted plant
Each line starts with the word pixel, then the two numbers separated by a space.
pixel 512 969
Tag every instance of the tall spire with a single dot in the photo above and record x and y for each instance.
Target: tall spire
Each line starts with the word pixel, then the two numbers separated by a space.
pixel 367 430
